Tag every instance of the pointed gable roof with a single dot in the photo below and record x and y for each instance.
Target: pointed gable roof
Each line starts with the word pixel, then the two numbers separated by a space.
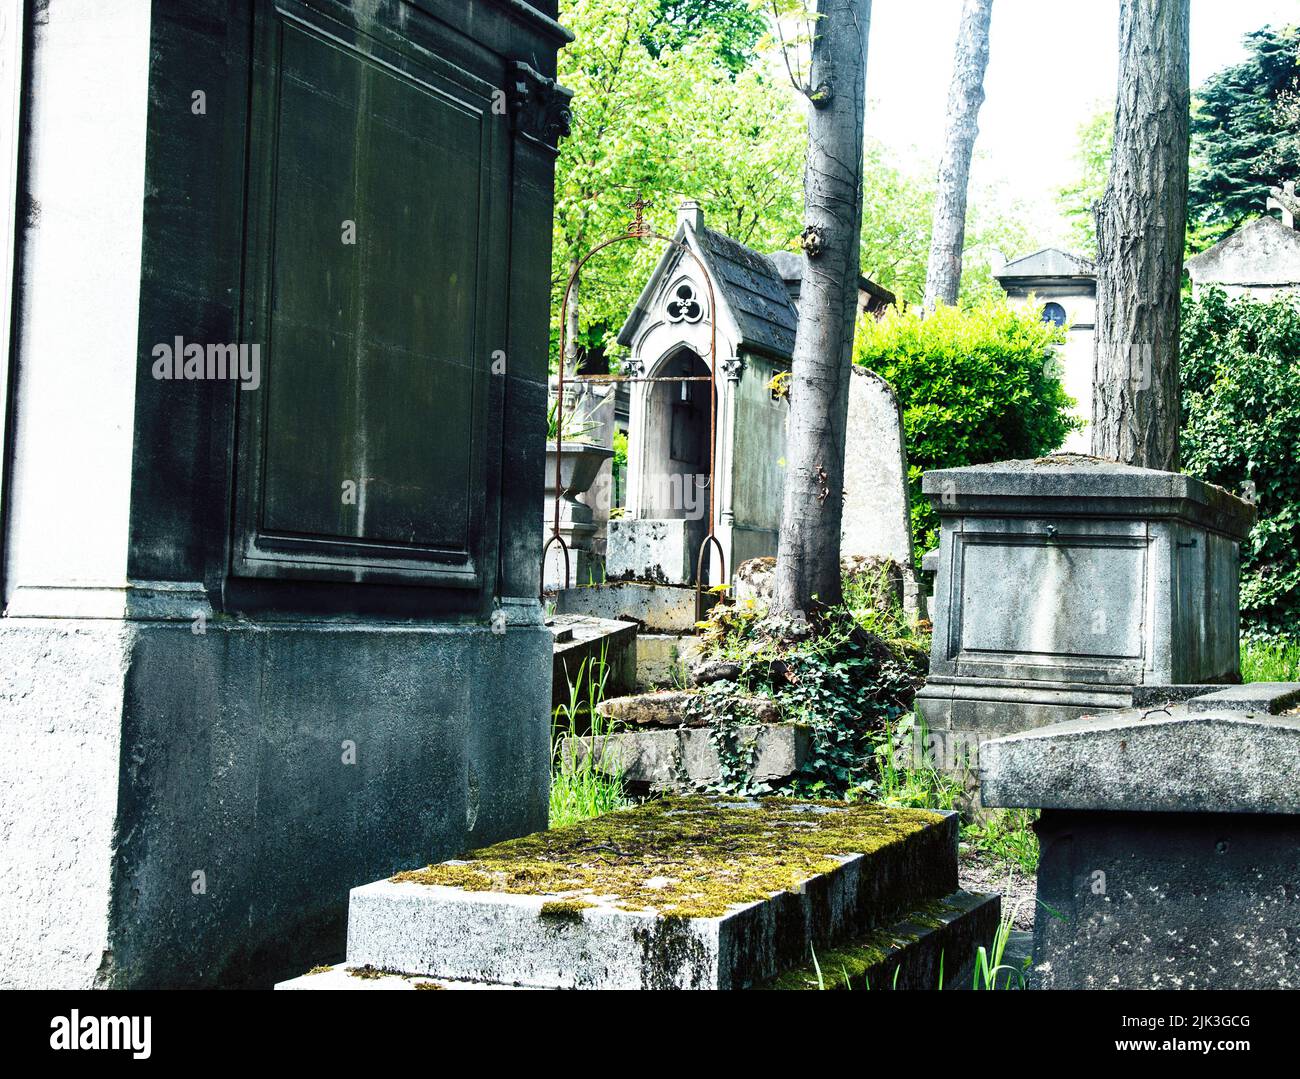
pixel 1261 252
pixel 748 286
pixel 1049 262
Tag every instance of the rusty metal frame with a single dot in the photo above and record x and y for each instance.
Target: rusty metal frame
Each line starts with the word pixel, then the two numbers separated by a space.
pixel 639 229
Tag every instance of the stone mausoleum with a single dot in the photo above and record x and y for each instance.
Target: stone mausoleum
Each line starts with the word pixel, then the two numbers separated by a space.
pixel 1064 285
pixel 1261 259
pixel 668 333
pixel 270 631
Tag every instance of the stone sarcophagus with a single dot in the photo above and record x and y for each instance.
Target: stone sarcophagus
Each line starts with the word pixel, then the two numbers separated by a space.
pixel 1065 582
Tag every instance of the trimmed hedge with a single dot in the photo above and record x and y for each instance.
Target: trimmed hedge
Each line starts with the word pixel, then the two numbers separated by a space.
pixel 975 385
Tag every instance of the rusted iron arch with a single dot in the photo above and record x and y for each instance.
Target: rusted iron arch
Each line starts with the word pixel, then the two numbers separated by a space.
pixel 699 571
pixel 638 230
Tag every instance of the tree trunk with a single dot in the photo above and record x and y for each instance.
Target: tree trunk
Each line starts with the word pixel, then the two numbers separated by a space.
pixel 1141 222
pixel 808 552
pixel 966 95
pixel 570 357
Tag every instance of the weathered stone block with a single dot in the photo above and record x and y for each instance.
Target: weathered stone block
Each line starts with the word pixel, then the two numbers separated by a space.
pixel 1170 840
pixel 677 761
pixel 682 893
pixel 656 607
pixel 665 658
pixel 1065 582
pixel 657 550
pixel 582 644
pixel 932 948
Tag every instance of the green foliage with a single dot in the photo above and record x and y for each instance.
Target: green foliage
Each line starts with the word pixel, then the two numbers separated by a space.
pixel 738 27
pixel 849 685
pixel 1006 835
pixel 1246 129
pixel 1270 660
pixel 577 423
pixel 671 100
pixel 974 385
pixel 1241 423
pixel 580 789
pixel 1092 157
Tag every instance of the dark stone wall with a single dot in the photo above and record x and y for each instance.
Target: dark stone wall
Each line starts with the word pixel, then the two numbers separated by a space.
pixel 1167 901
pixel 234 764
pixel 233 738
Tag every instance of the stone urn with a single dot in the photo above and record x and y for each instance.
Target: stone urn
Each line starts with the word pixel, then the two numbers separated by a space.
pixel 579 466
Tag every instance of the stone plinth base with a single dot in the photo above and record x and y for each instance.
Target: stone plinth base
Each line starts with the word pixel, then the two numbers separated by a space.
pixel 186 808
pixel 1170 840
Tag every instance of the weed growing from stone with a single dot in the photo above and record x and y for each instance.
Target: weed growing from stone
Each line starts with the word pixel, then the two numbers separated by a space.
pixel 589 786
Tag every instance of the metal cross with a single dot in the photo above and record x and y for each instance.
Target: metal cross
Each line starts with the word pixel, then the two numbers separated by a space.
pixel 1285 205
pixel 639 227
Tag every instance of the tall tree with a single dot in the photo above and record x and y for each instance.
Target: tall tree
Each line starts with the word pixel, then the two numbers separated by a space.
pixel 1140 226
pixel 808 550
pixel 1246 131
pixel 965 96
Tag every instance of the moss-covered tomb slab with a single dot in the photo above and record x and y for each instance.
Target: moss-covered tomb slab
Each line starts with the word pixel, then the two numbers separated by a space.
pixel 689 892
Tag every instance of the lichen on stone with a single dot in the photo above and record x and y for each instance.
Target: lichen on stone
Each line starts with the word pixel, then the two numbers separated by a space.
pixel 565 910
pixel 682 857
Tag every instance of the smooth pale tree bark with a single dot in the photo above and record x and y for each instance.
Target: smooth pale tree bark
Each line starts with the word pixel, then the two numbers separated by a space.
pixel 572 327
pixel 965 96
pixel 1141 221
pixel 808 551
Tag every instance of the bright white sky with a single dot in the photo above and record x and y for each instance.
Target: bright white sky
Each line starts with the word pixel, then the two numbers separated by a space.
pixel 1051 63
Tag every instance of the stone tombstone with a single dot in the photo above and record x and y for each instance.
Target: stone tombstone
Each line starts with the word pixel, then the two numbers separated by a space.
pixel 1064 285
pixel 270 543
pixel 1261 259
pixel 1170 839
pixel 1066 581
pixel 877 509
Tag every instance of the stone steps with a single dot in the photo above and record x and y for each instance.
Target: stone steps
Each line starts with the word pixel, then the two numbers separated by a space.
pixel 930 948
pixel 682 893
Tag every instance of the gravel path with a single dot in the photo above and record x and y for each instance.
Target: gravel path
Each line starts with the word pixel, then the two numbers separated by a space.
pixel 977 872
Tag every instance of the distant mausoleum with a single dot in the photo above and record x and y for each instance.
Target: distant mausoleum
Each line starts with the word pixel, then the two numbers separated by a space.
pixel 1261 259
pixel 1066 285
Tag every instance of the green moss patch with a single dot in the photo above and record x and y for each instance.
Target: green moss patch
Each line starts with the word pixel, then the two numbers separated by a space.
pixel 684 857
pixel 863 963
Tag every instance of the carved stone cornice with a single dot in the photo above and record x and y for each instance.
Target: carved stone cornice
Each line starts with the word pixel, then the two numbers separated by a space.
pixel 539 106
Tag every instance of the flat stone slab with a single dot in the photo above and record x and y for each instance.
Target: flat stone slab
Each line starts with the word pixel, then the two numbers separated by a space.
pixel 660 608
pixel 670 709
pixel 1267 698
pixel 364 979
pixel 691 893
pixel 679 761
pixel 1189 757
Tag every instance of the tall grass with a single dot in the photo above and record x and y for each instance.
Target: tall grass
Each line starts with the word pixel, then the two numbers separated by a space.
pixel 1275 660
pixel 584 787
